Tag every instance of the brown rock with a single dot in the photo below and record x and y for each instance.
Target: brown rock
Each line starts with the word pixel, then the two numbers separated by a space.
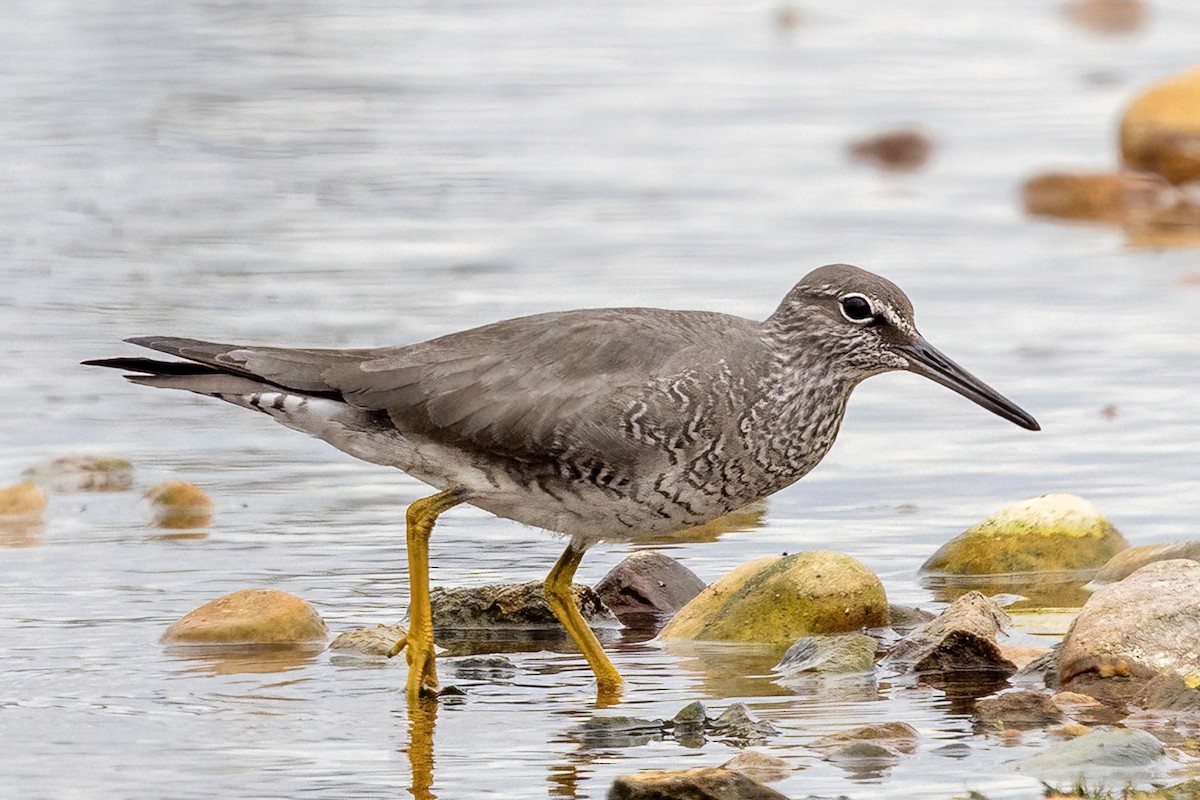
pixel 22 499
pixel 1168 692
pixel 250 616
pixel 1107 16
pixel 378 640
pixel 1134 629
pixel 899 737
pixel 704 783
pixel 647 588
pixel 962 639
pixel 1126 562
pixel 758 766
pixel 1097 196
pixel 80 473
pixel 509 605
pixel 902 150
pixel 1160 131
pixel 179 505
pixel 779 599
pixel 1019 709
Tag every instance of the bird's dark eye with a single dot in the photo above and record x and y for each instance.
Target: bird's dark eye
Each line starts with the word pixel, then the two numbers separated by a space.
pixel 857 308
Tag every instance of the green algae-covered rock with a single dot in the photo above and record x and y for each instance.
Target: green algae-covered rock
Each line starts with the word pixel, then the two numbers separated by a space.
pixel 250 616
pixel 778 599
pixel 1053 533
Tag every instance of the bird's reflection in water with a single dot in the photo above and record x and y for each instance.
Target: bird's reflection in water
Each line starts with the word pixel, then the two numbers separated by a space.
pixel 422 717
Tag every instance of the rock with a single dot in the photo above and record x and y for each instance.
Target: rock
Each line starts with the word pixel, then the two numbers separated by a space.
pixel 870 749
pixel 175 504
pixel 619 731
pixel 1022 655
pixel 647 588
pixel 1117 751
pixel 844 653
pixel 250 616
pixel 1144 625
pixel 779 599
pixel 736 723
pixel 519 605
pixel 952 750
pixel 484 668
pixel 1018 709
pixel 1042 669
pixel 704 783
pixel 693 716
pixel 905 618
pixel 902 150
pixel 1160 131
pixel 82 473
pixel 1107 16
pixel 378 640
pixel 897 736
pixel 1097 196
pixel 1057 532
pixel 961 639
pixel 1168 692
pixel 1128 561
pixel 22 499
pixel 759 767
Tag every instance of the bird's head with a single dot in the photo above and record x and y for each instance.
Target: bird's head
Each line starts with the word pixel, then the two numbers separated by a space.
pixel 862 325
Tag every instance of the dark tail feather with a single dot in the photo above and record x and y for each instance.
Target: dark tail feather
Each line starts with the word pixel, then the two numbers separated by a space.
pixel 150 366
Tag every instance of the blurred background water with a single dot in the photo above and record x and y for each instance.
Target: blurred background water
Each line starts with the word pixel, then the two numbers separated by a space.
pixel 365 173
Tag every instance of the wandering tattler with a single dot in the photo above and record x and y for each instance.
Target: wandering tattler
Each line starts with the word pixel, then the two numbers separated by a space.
pixel 606 424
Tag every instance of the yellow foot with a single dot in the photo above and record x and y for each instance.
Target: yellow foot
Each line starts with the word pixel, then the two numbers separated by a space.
pixel 400 644
pixel 422 672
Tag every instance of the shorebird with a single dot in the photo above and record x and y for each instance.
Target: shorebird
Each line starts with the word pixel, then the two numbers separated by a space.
pixel 604 424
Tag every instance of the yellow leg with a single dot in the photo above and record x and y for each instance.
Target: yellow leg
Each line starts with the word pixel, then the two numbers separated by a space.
pixel 562 603
pixel 422 675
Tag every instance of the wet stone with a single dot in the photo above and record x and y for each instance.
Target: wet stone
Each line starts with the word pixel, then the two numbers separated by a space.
pixel 620 731
pixel 1054 533
pixel 179 505
pixel 647 588
pixel 905 618
pixel 952 750
pixel 1168 692
pixel 779 599
pixel 1119 197
pixel 869 750
pixel 1132 630
pixel 962 639
pixel 82 473
pixel 1160 131
pixel 483 668
pixel 250 616
pixel 902 150
pixel 1129 561
pixel 849 653
pixel 520 605
pixel 22 499
pixel 1117 751
pixel 735 723
pixel 377 640
pixel 693 715
pixel 1018 709
pixel 704 783
pixel 760 767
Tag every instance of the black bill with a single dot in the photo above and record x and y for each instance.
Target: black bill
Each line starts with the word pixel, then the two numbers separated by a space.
pixel 925 359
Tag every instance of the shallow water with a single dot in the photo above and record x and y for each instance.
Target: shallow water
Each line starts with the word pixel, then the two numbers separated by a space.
pixel 354 174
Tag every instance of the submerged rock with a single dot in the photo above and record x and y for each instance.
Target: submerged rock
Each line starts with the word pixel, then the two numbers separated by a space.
pixel 176 504
pixel 736 723
pixel 377 640
pixel 484 668
pixel 1128 561
pixel 905 618
pixel 1117 751
pixel 1107 16
pixel 82 473
pixel 839 654
pixel 647 588
pixel 901 150
pixel 1112 197
pixel 1053 533
pixel 22 499
pixel 703 783
pixel 779 599
pixel 758 766
pixel 962 639
pixel 870 749
pixel 1019 709
pixel 511 605
pixel 1132 630
pixel 250 616
pixel 1160 131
